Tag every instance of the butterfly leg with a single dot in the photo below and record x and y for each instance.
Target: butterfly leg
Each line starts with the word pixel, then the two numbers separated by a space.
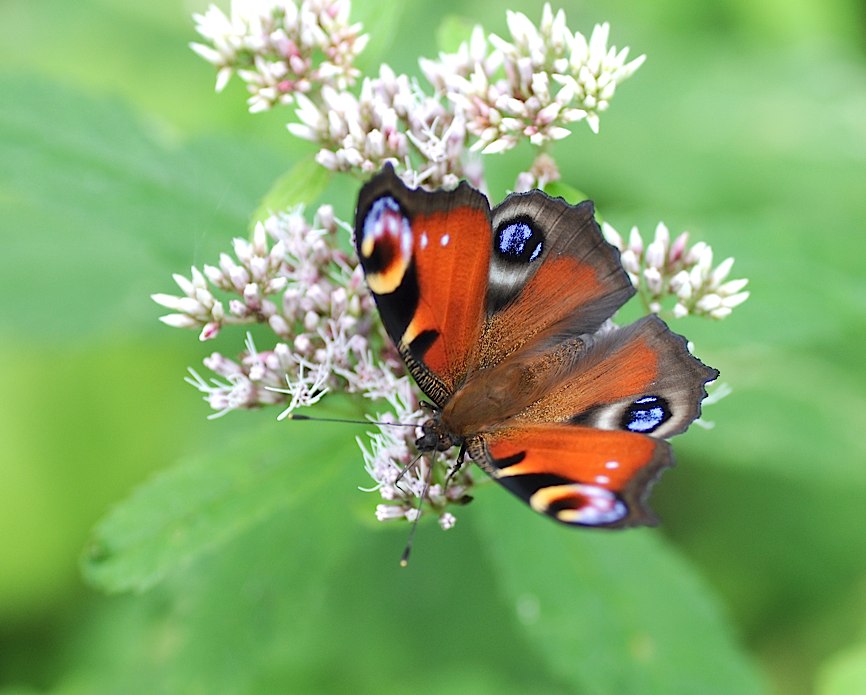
pixel 406 470
pixel 455 469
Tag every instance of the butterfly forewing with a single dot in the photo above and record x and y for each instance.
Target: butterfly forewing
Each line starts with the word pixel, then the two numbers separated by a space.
pixel 552 275
pixel 426 256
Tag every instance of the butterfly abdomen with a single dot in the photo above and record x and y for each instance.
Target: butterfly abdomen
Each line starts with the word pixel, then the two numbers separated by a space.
pixel 490 397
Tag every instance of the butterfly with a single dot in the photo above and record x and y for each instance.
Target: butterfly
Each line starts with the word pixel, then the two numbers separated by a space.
pixel 502 318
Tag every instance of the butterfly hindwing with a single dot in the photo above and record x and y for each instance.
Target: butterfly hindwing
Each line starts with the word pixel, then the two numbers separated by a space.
pixel 640 378
pixel 576 475
pixel 587 450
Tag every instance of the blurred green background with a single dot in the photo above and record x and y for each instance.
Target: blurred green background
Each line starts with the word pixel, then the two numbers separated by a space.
pixel 119 165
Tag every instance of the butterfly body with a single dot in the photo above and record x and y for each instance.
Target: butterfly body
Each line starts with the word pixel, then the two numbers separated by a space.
pixel 502 318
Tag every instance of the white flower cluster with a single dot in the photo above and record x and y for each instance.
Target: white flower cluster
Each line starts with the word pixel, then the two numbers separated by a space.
pixel 254 380
pixel 401 477
pixel 281 48
pixel 391 120
pixel 294 278
pixel 255 276
pixel 488 96
pixel 665 268
pixel 533 86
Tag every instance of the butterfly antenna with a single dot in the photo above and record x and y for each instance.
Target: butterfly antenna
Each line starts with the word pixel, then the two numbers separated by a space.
pixel 404 559
pixel 295 416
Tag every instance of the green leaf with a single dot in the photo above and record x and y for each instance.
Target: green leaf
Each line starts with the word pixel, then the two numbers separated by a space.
pixel 612 612
pixel 585 612
pixel 560 189
pixel 256 611
pixel 572 195
pixel 300 185
pixel 844 674
pixel 99 210
pixel 310 587
pixel 208 499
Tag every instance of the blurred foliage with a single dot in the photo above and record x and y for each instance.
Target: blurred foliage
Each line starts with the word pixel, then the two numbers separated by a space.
pixel 119 166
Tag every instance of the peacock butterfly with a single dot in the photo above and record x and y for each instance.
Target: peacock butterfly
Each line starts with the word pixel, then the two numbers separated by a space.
pixel 502 318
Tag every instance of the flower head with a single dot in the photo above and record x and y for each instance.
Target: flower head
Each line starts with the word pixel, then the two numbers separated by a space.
pixel 281 48
pixel 391 121
pixel 534 85
pixel 667 268
pixel 486 97
pixel 293 277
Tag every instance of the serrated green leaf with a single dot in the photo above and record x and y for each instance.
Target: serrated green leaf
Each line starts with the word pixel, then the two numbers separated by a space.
pixel 612 612
pixel 300 185
pixel 206 500
pixel 311 587
pixel 560 189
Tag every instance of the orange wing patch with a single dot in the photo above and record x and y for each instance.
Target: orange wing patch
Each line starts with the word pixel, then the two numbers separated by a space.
pixel 605 458
pixel 451 252
pixel 577 475
pixel 554 293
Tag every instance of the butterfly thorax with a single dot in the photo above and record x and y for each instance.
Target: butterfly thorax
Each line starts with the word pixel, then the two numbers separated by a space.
pixel 486 399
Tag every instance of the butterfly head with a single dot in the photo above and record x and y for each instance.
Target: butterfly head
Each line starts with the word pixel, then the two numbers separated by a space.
pixel 435 436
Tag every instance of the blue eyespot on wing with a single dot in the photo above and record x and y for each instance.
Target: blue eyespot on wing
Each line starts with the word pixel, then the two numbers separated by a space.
pixel 646 415
pixel 518 242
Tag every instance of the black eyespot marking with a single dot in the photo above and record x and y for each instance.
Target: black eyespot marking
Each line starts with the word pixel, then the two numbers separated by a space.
pixel 646 415
pixel 518 242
